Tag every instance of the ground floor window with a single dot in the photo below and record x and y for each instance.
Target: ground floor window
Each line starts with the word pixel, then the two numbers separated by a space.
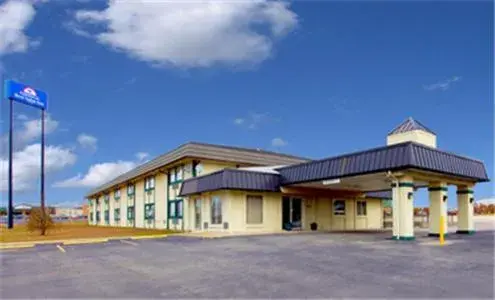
pixel 361 208
pixel 116 214
pixel 176 208
pixel 107 216
pixel 339 207
pixel 91 217
pixel 171 209
pixel 97 216
pixel 130 213
pixel 254 209
pixel 149 211
pixel 216 210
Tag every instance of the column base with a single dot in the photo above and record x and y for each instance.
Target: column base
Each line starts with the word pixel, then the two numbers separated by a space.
pixel 437 234
pixel 470 232
pixel 403 238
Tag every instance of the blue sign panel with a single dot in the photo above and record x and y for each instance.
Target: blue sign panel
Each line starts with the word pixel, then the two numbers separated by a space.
pixel 25 94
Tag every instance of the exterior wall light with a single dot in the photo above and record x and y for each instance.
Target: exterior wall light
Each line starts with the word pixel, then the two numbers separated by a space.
pixel 471 200
pixel 445 198
pixel 409 195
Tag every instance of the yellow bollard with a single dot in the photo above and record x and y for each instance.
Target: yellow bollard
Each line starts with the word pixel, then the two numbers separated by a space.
pixel 442 230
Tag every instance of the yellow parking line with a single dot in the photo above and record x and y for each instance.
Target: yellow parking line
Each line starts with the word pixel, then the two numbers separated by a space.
pixel 60 248
pixel 156 236
pixel 129 242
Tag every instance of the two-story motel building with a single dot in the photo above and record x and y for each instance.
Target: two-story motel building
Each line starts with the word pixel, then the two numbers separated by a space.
pixel 204 187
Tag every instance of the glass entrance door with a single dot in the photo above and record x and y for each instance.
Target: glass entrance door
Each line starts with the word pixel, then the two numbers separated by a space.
pixel 291 213
pixel 197 214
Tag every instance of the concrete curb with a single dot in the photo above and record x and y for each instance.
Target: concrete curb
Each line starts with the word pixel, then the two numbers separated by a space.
pixel 22 245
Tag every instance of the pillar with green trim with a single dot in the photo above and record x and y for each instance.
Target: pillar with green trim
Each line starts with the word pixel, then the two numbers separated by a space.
pixel 465 208
pixel 438 207
pixel 403 209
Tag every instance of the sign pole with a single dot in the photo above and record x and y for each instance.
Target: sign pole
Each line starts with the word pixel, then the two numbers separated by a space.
pixel 42 196
pixel 10 212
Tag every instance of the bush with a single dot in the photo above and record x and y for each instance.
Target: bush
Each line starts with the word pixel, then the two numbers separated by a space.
pixel 39 221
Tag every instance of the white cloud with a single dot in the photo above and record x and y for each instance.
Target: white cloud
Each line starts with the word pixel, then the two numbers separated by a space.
pixel 279 142
pixel 141 156
pixel 26 165
pixel 98 174
pixel 87 141
pixel 29 130
pixel 189 34
pixel 239 121
pixel 442 85
pixel 15 17
pixel 254 120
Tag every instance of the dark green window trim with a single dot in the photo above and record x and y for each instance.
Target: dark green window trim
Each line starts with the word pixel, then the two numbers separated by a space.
pixel 130 213
pixel 116 214
pixel 438 188
pixel 176 203
pixel 468 191
pixel 147 207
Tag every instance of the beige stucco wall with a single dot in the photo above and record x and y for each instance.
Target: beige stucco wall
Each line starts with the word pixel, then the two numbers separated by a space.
pixel 418 136
pixel 320 210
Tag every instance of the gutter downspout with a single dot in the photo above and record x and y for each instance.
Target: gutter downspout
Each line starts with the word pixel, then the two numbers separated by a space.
pixel 397 196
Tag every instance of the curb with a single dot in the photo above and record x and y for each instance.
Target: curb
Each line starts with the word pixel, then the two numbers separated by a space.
pixel 22 245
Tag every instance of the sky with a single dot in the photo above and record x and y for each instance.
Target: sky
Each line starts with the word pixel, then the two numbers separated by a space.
pixel 129 81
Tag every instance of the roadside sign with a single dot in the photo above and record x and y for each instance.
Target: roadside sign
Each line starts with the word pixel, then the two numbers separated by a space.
pixel 25 94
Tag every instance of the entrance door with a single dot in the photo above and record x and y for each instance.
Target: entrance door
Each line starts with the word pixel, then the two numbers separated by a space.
pixel 197 214
pixel 291 213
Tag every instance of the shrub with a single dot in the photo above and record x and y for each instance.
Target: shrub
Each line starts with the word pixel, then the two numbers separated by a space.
pixel 39 221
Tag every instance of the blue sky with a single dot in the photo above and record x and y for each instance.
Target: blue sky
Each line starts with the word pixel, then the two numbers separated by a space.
pixel 314 79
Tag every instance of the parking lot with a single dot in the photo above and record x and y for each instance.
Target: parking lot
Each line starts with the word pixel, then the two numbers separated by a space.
pixel 306 265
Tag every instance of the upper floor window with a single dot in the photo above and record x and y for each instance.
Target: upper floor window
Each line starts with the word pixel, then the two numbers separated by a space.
pixel 116 194
pixel 176 174
pixel 149 183
pixel 106 197
pixel 130 189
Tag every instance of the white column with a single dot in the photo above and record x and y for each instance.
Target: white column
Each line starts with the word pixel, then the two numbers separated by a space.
pixel 93 210
pixel 403 209
pixel 465 207
pixel 438 207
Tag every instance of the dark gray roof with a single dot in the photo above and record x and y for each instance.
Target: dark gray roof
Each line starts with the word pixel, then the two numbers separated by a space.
pixel 409 125
pixel 204 151
pixel 231 179
pixel 389 158
pixel 380 194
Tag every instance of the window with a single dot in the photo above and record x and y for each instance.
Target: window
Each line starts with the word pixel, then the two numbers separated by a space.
pixel 216 210
pixel 361 208
pixel 91 217
pixel 149 211
pixel 149 183
pixel 116 194
pixel 106 197
pixel 116 214
pixel 339 207
pixel 130 213
pixel 107 215
pixel 171 209
pixel 254 210
pixel 179 208
pixel 130 189
pixel 179 173
pixel 97 216
pixel 171 176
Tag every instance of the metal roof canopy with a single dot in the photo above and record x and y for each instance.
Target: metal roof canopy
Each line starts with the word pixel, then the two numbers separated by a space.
pixel 403 156
pixel 202 151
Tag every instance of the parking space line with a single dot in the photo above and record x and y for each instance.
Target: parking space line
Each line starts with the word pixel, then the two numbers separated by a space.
pixel 61 248
pixel 129 242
